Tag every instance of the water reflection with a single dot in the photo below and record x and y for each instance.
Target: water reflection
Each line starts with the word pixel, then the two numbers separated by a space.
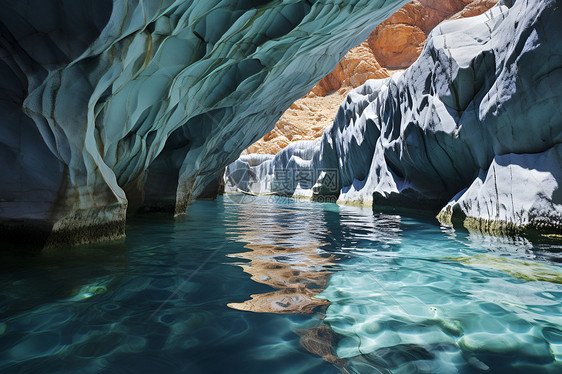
pixel 283 252
pixel 294 246
pixel 155 303
pixel 363 293
pixel 319 340
pixel 403 294
pixel 299 274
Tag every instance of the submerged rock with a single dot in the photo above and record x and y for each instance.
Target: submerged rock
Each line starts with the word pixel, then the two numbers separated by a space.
pixel 476 113
pixel 107 104
pixel 526 270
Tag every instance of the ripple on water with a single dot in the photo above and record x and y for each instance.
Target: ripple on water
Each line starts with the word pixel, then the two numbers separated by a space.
pixel 335 287
pixel 488 317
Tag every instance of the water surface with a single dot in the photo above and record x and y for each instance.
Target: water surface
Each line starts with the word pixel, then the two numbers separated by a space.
pixel 284 286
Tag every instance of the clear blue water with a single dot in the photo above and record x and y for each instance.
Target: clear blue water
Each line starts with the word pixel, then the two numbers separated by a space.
pixel 283 286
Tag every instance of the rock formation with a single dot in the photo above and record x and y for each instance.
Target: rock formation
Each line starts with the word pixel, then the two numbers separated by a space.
pixel 355 68
pixel 396 43
pixel 115 105
pixel 306 119
pixel 475 119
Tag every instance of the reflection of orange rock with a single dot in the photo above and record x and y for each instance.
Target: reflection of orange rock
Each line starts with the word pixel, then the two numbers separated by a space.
pixel 318 340
pixel 290 300
pixel 396 43
pixel 299 273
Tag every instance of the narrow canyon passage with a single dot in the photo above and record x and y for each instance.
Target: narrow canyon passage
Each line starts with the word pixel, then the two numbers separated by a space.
pixel 166 206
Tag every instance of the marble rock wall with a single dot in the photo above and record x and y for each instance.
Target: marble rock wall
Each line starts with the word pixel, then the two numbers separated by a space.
pixel 109 106
pixel 475 119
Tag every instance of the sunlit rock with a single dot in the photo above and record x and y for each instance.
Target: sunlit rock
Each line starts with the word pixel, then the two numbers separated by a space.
pixel 106 103
pixel 479 109
pixel 397 42
pixel 518 192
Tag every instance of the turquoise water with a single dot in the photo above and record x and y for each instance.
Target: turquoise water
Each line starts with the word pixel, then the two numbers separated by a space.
pixel 284 286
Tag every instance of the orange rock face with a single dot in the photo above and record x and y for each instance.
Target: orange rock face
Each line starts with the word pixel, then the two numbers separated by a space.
pixel 306 119
pixel 398 41
pixel 475 8
pixel 398 45
pixel 394 45
pixel 354 69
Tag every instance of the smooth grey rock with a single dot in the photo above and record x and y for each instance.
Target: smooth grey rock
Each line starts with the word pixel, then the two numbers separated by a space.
pixel 105 102
pixel 483 88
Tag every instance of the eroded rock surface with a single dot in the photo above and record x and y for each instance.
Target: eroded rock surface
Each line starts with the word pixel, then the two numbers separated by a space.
pixel 518 192
pixel 398 41
pixel 479 110
pixel 395 44
pixel 306 119
pixel 109 102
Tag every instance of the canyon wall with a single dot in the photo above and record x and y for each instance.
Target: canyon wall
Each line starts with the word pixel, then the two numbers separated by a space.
pixel 473 127
pixel 112 106
pixel 395 44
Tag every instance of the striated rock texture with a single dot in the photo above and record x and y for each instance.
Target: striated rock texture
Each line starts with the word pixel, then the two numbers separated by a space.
pixel 308 117
pixel 396 43
pixel 476 117
pixel 109 106
pixel 355 68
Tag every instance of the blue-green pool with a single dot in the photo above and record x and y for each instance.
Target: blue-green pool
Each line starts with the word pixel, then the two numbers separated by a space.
pixel 272 285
